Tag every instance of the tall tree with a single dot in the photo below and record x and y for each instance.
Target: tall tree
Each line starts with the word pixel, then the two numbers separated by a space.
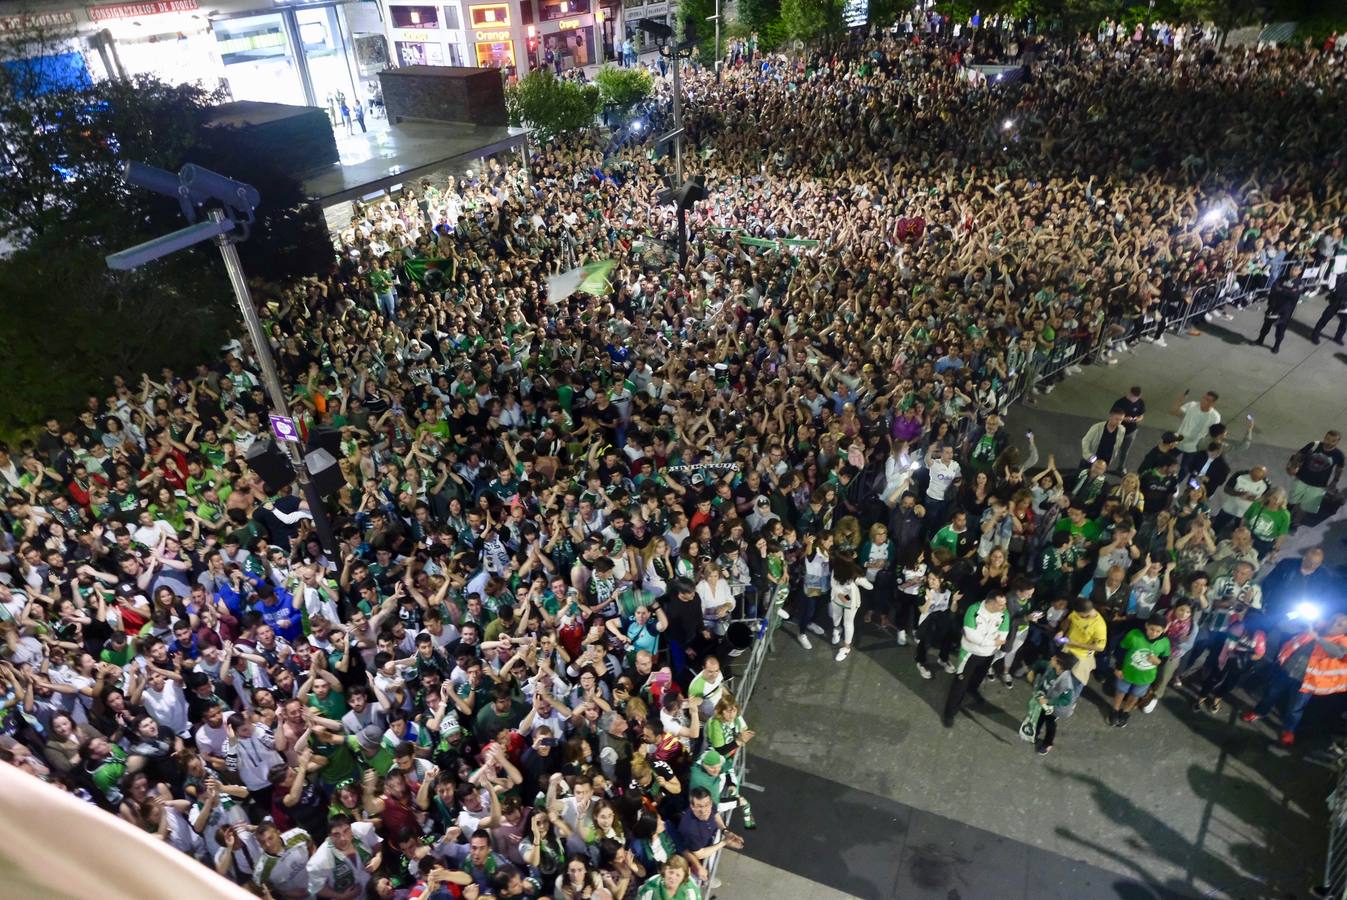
pixel 551 106
pixel 809 19
pixel 67 323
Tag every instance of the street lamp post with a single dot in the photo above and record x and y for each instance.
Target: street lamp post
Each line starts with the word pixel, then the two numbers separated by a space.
pixel 675 58
pixel 716 17
pixel 191 187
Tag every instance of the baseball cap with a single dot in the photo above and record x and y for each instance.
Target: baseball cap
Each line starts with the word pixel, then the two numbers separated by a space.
pixel 711 758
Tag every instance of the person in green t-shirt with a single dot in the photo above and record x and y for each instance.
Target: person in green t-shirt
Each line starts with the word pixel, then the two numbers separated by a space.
pixel 1269 520
pixel 105 764
pixel 1143 650
pixel 118 650
pixel 327 697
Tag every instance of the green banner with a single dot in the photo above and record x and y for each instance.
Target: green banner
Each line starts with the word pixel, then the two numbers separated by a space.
pixel 595 279
pixel 430 273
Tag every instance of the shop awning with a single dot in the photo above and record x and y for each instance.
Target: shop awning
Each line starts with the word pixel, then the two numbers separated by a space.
pixel 404 152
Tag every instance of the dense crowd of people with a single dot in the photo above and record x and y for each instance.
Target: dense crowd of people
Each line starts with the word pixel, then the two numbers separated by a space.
pixel 561 519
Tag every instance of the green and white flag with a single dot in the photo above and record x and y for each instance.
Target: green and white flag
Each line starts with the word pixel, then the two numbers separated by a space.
pixel 430 273
pixel 591 278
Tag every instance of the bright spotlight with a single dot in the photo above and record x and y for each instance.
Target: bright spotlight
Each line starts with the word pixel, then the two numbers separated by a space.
pixel 1305 611
pixel 1007 124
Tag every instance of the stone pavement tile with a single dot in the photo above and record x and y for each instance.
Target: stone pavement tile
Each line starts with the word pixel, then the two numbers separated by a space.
pixel 743 877
pixel 1052 876
pixel 948 860
pixel 821 830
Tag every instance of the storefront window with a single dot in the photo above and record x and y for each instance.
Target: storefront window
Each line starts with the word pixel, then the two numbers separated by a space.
pixel 451 18
pixel 493 15
pixel 575 46
pixel 415 16
pixel 421 53
pixel 329 69
pixel 559 9
pixel 258 61
pixel 495 54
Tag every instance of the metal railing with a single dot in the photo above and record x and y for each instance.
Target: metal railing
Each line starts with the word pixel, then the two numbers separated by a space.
pixel 743 691
pixel 1202 301
pixel 1334 884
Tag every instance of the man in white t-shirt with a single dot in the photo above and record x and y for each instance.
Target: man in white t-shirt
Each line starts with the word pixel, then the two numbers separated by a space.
pixel 940 490
pixel 164 700
pixel 1195 428
pixel 1240 493
pixel 341 862
pixel 283 868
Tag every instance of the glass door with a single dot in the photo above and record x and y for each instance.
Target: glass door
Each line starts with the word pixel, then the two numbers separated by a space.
pixel 258 61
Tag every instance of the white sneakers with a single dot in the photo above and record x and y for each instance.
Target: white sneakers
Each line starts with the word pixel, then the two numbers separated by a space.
pixel 923 672
pixel 816 628
pixel 842 653
pixel 902 638
pixel 804 641
pixel 947 666
pixel 837 636
pixel 781 612
pixel 1150 705
pixel 1160 342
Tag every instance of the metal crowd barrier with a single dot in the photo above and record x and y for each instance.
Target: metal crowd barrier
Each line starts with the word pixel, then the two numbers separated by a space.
pixel 743 691
pixel 1202 300
pixel 1334 884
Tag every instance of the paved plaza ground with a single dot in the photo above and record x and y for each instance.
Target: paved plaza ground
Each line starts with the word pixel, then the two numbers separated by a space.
pixel 866 795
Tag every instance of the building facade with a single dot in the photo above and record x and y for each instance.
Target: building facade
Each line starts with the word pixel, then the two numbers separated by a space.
pixel 516 35
pixel 309 52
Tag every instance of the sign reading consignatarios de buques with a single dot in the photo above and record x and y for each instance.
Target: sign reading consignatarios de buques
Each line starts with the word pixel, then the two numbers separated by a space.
pixel 107 11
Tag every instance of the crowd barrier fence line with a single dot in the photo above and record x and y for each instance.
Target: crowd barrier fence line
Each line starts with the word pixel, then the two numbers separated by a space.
pixel 1201 301
pixel 1334 884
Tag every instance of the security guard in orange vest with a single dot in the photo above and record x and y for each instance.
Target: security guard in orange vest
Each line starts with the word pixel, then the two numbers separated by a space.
pixel 1311 664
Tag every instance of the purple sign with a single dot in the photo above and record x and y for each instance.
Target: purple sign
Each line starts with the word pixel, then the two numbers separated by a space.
pixel 284 428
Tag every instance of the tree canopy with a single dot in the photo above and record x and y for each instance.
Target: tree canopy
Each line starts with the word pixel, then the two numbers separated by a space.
pixel 623 88
pixel 550 105
pixel 68 323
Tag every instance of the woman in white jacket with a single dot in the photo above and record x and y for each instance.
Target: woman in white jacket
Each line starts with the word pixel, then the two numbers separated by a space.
pixel 848 579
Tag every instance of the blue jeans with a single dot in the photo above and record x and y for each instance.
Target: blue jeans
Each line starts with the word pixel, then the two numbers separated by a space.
pixel 1284 691
pixel 388 302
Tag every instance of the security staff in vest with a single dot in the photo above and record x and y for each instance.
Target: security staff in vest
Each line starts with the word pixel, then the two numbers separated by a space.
pixel 1337 306
pixel 1311 664
pixel 1281 306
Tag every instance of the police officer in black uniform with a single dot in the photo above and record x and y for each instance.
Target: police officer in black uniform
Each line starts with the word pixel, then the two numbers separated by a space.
pixel 1337 306
pixel 1281 306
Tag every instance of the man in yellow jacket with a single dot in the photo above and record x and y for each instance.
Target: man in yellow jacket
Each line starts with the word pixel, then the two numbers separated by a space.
pixel 1311 664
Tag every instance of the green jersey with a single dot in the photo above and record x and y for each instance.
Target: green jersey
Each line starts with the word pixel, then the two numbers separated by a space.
pixel 1137 667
